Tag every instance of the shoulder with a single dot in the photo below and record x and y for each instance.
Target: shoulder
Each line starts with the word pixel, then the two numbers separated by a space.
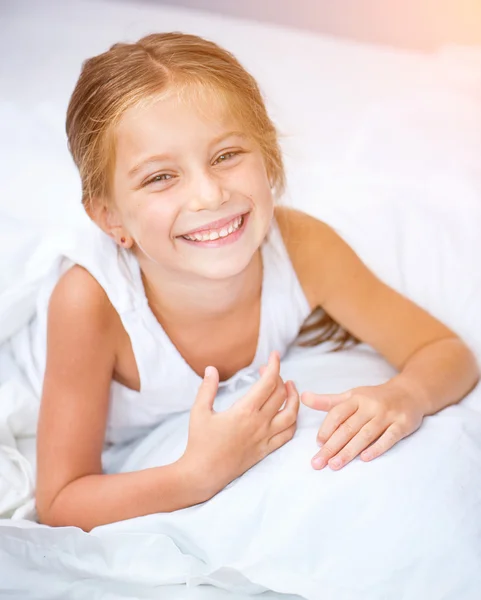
pixel 78 302
pixel 78 291
pixel 315 249
pixel 304 235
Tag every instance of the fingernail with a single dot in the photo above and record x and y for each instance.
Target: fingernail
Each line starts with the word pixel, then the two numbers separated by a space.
pixel 335 463
pixel 318 463
pixel 320 444
pixel 209 371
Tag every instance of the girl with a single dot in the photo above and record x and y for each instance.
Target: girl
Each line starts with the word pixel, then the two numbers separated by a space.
pixel 189 278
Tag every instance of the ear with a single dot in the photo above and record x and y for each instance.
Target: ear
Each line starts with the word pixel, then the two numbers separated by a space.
pixel 108 219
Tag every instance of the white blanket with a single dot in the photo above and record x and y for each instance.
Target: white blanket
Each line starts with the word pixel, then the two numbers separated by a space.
pixel 407 525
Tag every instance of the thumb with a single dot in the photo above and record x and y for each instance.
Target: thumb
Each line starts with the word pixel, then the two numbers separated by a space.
pixel 323 402
pixel 208 389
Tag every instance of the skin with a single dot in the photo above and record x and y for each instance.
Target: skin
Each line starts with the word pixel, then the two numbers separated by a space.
pixel 435 367
pixel 198 294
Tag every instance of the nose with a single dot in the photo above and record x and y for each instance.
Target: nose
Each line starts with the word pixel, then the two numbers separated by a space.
pixel 207 193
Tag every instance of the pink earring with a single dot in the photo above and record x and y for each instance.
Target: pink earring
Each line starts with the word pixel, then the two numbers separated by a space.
pixel 122 240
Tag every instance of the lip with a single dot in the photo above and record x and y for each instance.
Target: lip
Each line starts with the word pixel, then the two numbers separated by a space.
pixel 213 224
pixel 221 242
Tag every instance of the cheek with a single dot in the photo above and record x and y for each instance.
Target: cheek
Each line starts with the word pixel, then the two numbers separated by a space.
pixel 154 219
pixel 259 190
pixel 263 199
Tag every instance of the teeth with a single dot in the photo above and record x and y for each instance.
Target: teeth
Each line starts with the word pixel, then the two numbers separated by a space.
pixel 210 236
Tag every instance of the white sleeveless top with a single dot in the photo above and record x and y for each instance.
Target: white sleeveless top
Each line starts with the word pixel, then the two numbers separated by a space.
pixel 168 385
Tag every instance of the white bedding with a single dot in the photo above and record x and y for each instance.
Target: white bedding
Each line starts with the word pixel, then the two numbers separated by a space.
pixel 407 525
pixel 395 168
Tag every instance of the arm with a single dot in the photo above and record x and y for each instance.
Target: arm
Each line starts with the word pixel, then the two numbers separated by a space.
pixel 435 367
pixel 83 329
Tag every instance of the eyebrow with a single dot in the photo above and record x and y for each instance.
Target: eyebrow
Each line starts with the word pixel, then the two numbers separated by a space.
pixel 156 158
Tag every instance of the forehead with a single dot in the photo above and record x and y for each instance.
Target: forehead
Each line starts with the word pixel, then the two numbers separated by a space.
pixel 172 120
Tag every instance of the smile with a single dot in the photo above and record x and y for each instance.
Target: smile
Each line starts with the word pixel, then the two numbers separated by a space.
pixel 210 235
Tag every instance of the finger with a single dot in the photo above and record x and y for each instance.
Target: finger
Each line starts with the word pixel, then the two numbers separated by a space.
pixel 292 391
pixel 274 402
pixel 262 369
pixel 391 436
pixel 207 390
pixel 287 416
pixel 324 402
pixel 366 436
pixel 281 438
pixel 338 440
pixel 293 400
pixel 334 418
pixel 265 386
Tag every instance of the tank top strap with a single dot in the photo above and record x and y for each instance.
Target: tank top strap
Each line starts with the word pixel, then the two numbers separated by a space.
pixel 111 266
pixel 285 306
pixel 117 272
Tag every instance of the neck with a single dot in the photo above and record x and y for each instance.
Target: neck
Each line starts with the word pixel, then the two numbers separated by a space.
pixel 190 299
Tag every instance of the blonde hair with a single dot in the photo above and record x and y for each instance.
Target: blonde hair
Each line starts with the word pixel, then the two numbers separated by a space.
pixel 129 75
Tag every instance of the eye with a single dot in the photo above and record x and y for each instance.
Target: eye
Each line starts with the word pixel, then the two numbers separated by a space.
pixel 159 177
pixel 226 156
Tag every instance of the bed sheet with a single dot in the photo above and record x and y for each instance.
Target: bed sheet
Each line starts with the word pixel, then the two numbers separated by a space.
pixel 406 526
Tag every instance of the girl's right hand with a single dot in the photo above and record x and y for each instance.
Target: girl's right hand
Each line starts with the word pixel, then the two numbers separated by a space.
pixel 222 446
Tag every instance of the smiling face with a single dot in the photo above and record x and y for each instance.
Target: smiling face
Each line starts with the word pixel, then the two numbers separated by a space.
pixel 189 188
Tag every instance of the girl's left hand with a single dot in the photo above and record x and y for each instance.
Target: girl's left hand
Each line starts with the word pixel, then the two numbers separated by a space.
pixel 378 415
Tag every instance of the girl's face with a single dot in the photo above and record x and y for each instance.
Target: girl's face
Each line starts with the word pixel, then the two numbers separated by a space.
pixel 190 190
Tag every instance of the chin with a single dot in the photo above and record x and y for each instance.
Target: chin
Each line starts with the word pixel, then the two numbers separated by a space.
pixel 224 267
